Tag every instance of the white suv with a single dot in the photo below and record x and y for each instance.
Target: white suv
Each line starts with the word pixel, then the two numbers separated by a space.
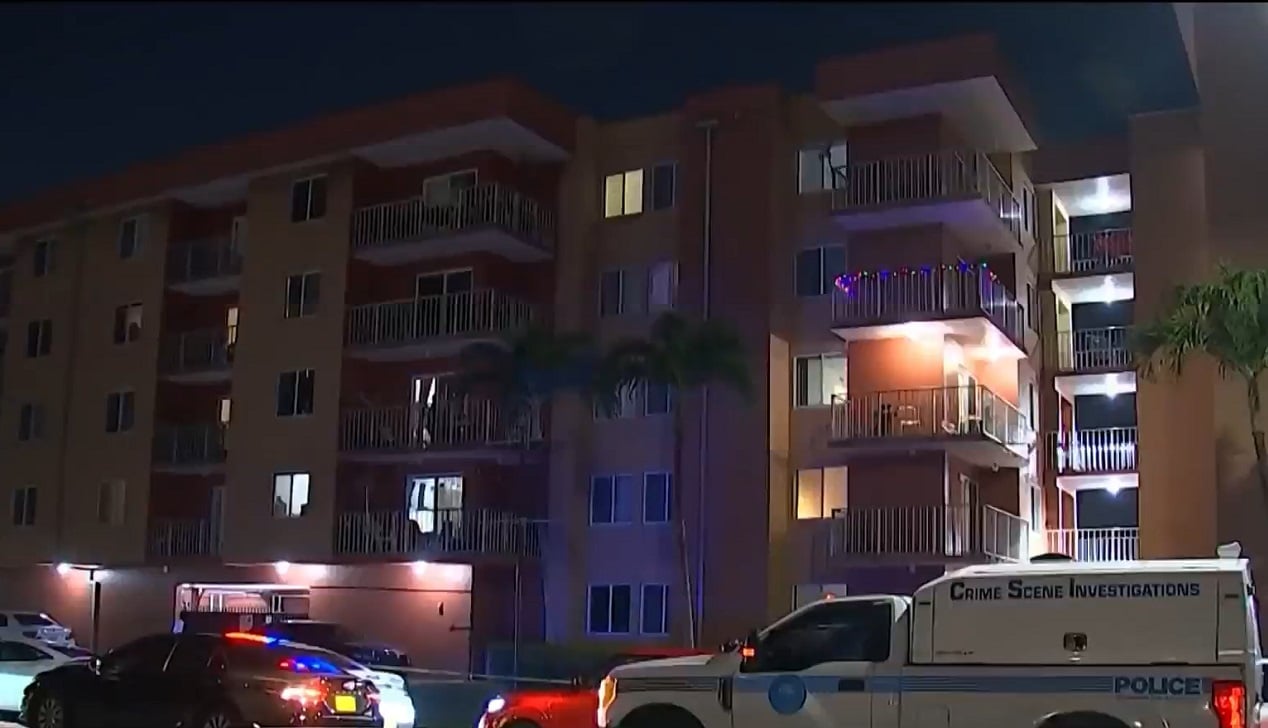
pixel 34 626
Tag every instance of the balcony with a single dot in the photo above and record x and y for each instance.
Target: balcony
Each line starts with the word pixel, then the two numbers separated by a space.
pixel 1103 252
pixel 191 448
pixel 964 301
pixel 926 535
pixel 1094 458
pixel 200 356
pixel 486 218
pixel 434 325
pixel 970 421
pixel 207 267
pixel 1095 544
pixel 475 429
pixel 450 533
pixel 188 538
pixel 956 188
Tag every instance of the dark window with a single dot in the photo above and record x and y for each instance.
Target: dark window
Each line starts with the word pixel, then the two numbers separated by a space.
pixel 656 494
pixel 308 199
pixel 663 184
pixel 24 501
pixel 611 293
pixel 30 422
pixel 42 258
pixel 295 393
pixel 612 499
pixel 31 619
pixel 302 293
pixel 39 338
pixel 654 615
pixel 833 631
pixel 19 652
pixel 657 399
pixel 817 270
pixel 609 609
pixel 145 656
pixel 191 656
pixel 120 411
pixel 127 323
pixel 129 237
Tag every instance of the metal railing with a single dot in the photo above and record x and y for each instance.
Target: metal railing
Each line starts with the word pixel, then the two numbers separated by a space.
pixel 441 530
pixel 415 219
pixel 1095 544
pixel 183 537
pixel 1100 348
pixel 202 350
pixel 951 532
pixel 1102 251
pixel 927 294
pixel 447 424
pixel 927 177
pixel 930 413
pixel 203 259
pixel 455 314
pixel 194 444
pixel 1099 450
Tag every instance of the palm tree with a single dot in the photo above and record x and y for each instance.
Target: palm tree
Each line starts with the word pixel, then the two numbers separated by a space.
pixel 1227 320
pixel 681 355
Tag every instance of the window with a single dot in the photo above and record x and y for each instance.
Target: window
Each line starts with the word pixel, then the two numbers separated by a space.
pixel 817 379
pixel 30 422
pixel 804 594
pixel 447 189
pixel 302 293
pixel 611 499
pixel 619 294
pixel 832 631
pixel 609 611
pixel 145 656
pixel 19 652
pixel 817 269
pixel 23 506
pixel 821 491
pixel 662 286
pixel 815 167
pixel 434 502
pixel 225 409
pixel 308 199
pixel 1036 508
pixel 127 323
pixel 191 656
pixel 663 183
pixel 39 338
pixel 653 617
pixel 42 258
pixel 295 393
pixel 120 411
pixel 627 406
pixel 658 399
pixel 110 502
pixel 1032 307
pixel 231 326
pixel 656 495
pixel 623 193
pixel 290 495
pixel 130 235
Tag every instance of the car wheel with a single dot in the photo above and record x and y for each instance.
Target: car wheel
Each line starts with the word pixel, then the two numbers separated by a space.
pixel 217 718
pixel 50 712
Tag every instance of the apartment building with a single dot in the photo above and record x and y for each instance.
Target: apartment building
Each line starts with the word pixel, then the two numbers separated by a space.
pixel 934 315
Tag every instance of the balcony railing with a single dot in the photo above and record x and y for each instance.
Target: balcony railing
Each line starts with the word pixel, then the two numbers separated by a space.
pixel 1103 251
pixel 445 530
pixel 446 425
pixel 204 259
pixel 414 219
pixel 931 532
pixel 189 445
pixel 1093 451
pixel 1093 349
pixel 927 294
pixel 971 410
pixel 194 352
pixel 1096 544
pixel 183 538
pixel 949 173
pixel 418 319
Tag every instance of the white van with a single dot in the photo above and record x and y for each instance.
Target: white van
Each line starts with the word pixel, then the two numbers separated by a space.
pixel 1143 644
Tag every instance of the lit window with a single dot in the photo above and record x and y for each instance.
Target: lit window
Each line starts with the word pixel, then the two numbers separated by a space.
pixel 290 495
pixel 612 499
pixel 226 409
pixel 656 495
pixel 608 609
pixel 653 609
pixel 821 492
pixel 816 167
pixel 623 194
pixel 817 379
pixel 816 270
pixel 308 199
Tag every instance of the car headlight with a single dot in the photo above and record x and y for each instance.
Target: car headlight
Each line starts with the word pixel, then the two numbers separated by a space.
pixel 495 704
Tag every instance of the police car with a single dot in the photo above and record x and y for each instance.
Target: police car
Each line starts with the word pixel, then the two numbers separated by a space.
pixel 1144 644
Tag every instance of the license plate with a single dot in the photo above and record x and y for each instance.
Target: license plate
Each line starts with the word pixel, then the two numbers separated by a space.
pixel 345 703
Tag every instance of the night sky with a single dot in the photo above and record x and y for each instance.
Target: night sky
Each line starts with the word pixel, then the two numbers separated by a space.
pixel 89 89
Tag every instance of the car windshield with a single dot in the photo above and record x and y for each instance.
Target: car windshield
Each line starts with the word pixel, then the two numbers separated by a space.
pixel 71 651
pixel 31 619
pixel 283 657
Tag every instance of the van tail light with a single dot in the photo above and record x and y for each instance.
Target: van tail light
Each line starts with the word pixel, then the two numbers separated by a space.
pixel 1228 702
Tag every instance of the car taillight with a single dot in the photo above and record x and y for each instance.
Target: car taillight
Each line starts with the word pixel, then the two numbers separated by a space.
pixel 1228 702
pixel 305 695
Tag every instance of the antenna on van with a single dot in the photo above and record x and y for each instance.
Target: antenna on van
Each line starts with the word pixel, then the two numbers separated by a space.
pixel 1230 550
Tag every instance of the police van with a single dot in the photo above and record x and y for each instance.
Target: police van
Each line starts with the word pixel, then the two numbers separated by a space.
pixel 1144 644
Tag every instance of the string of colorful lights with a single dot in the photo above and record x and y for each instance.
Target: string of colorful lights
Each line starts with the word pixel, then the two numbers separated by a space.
pixel 846 280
